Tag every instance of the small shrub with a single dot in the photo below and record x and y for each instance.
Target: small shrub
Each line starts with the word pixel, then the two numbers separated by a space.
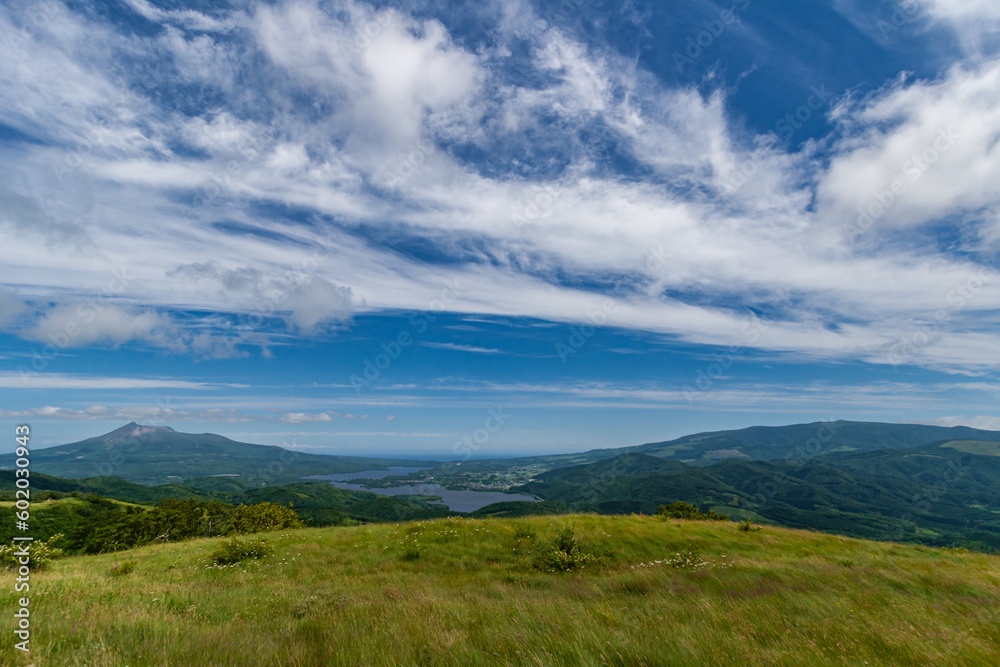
pixel 40 554
pixel 523 531
pixel 682 510
pixel 123 568
pixel 411 551
pixel 747 526
pixel 956 550
pixel 565 554
pixel 236 551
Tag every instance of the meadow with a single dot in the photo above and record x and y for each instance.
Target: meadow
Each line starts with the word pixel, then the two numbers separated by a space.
pixel 460 591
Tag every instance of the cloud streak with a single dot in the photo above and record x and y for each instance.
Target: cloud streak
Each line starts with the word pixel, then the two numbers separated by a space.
pixel 371 156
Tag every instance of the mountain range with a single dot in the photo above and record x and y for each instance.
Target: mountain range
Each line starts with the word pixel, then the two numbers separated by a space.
pixel 161 455
pixel 927 484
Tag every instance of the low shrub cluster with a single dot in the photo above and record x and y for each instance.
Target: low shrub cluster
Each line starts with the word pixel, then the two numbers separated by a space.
pixel 123 568
pixel 565 554
pixel 40 554
pixel 682 510
pixel 236 551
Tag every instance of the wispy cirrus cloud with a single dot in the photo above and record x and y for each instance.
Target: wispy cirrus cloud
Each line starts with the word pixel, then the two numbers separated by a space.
pixel 536 177
pixel 457 347
pixel 33 380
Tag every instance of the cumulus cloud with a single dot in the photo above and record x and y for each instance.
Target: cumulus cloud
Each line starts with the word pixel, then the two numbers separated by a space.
pixel 388 69
pixel 69 326
pixel 918 152
pixel 304 300
pixel 306 417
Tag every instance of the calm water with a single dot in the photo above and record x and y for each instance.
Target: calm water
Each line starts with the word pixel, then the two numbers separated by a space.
pixel 368 474
pixel 457 501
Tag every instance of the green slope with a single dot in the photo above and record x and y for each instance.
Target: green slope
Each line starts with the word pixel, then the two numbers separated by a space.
pixel 933 495
pixel 975 447
pixel 349 596
pixel 807 440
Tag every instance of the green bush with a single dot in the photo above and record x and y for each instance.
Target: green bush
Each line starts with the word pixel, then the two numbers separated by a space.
pixel 264 517
pixel 747 526
pixel 523 531
pixel 40 554
pixel 682 510
pixel 123 568
pixel 565 554
pixel 236 551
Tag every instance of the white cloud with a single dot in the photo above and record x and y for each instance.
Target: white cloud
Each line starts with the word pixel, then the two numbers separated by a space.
pixel 147 415
pixel 461 348
pixel 381 81
pixel 34 380
pixel 10 307
pixel 984 422
pixel 389 70
pixel 69 326
pixel 305 417
pixel 934 140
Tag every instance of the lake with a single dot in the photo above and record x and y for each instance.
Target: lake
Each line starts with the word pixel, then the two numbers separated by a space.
pixel 456 501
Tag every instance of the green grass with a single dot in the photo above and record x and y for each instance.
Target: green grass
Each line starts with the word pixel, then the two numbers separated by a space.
pixel 470 595
pixel 980 447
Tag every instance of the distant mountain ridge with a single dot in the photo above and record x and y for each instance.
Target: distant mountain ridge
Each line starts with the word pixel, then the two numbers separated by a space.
pixel 147 454
pixel 765 443
pixel 161 455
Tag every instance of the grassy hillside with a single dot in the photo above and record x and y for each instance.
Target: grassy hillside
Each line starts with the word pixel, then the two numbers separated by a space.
pixel 975 447
pixel 469 595
pixel 935 495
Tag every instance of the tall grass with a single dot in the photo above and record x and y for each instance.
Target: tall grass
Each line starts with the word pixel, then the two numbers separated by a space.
pixel 474 596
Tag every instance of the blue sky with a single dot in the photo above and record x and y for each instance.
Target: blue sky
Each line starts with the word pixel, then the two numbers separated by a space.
pixel 358 228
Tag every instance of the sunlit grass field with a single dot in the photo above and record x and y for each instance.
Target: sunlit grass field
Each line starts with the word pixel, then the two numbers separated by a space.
pixel 466 592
